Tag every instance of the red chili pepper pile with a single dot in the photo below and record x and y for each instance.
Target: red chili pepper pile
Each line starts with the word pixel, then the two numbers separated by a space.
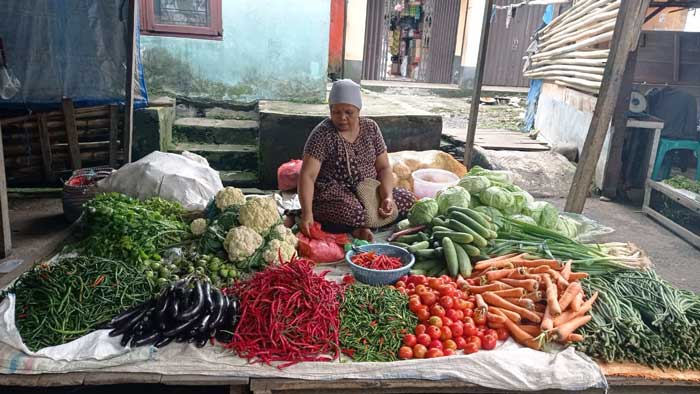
pixel 289 314
pixel 375 261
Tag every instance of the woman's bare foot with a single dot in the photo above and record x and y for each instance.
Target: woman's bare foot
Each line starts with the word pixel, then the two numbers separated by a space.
pixel 364 234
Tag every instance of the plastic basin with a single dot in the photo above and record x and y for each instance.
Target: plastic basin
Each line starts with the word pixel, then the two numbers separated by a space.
pixel 427 182
pixel 381 277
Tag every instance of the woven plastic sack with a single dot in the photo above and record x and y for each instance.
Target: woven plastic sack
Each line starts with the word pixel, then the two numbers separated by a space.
pixel 185 178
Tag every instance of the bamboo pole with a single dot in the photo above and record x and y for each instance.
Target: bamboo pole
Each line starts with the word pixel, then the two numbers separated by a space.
pixel 557 42
pixel 565 15
pixel 566 67
pixel 561 75
pixel 598 14
pixel 605 37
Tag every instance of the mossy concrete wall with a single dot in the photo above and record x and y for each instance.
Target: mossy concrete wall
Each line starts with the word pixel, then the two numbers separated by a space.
pixel 271 49
pixel 283 135
pixel 152 130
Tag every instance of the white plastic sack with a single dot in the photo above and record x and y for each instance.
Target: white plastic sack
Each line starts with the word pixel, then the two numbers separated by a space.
pixel 185 178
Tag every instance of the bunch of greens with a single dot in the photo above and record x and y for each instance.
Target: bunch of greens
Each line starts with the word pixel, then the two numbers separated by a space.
pixel 642 318
pixel 212 241
pixel 123 228
pixel 681 182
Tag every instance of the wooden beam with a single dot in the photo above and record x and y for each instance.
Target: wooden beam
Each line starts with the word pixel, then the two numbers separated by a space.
pixel 625 38
pixel 5 231
pixel 71 133
pixel 613 167
pixel 129 85
pixel 113 137
pixel 478 81
pixel 45 147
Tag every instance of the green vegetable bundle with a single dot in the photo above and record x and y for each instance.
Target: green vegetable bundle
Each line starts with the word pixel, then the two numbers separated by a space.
pixel 642 318
pixel 58 303
pixel 681 182
pixel 373 321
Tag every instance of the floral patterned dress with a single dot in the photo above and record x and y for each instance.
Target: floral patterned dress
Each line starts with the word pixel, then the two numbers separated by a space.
pixel 335 202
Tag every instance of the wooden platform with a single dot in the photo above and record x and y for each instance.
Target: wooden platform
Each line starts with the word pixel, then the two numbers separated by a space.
pixel 497 139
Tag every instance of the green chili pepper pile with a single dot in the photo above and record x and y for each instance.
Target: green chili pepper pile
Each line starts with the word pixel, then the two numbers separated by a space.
pixel 373 321
pixel 58 303
pixel 642 318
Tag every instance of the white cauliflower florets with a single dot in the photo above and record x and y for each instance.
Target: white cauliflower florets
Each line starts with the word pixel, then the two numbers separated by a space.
pixel 276 248
pixel 284 234
pixel 241 242
pixel 229 196
pixel 198 226
pixel 260 214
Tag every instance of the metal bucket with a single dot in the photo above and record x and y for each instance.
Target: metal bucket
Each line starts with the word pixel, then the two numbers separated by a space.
pixel 80 188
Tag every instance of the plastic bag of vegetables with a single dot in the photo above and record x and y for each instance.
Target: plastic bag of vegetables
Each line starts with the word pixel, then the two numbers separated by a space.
pixel 453 196
pixel 544 213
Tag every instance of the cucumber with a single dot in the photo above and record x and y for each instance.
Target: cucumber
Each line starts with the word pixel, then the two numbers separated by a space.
pixel 477 216
pixel 450 257
pixel 471 250
pixel 462 238
pixel 465 265
pixel 417 272
pixel 418 246
pixel 471 223
pixel 438 221
pixel 458 226
pixel 400 244
pixel 425 254
pixel 439 252
pixel 413 238
pixel 428 265
pixel 440 228
pixel 437 271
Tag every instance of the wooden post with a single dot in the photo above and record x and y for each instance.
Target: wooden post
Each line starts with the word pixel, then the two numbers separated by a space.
pixel 478 80
pixel 71 133
pixel 613 167
pixel 113 134
pixel 129 85
pixel 627 29
pixel 45 147
pixel 5 232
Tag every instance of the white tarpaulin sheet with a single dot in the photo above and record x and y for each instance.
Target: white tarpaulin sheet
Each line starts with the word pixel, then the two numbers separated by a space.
pixel 508 367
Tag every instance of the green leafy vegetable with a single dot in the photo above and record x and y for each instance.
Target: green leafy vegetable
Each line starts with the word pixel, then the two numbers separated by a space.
pixel 423 211
pixel 453 196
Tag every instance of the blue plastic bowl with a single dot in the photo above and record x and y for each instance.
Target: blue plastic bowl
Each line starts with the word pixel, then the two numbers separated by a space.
pixel 381 277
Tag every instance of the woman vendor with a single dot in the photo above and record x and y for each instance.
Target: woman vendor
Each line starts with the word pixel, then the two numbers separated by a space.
pixel 340 153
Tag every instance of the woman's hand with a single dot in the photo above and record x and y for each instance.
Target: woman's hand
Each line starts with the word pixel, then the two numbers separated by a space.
pixel 307 220
pixel 386 208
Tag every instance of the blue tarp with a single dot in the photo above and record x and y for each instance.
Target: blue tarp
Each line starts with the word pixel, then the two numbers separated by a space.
pixel 68 48
pixel 533 94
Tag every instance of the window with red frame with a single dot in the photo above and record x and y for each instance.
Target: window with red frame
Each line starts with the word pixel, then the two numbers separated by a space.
pixel 182 18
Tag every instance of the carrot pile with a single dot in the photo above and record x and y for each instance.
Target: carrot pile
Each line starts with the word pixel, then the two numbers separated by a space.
pixel 375 261
pixel 538 301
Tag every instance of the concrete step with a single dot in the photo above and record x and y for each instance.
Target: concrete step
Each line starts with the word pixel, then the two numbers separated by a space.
pixel 215 131
pixel 224 157
pixel 239 179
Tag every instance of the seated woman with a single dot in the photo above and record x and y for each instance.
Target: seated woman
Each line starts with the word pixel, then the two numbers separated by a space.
pixel 342 151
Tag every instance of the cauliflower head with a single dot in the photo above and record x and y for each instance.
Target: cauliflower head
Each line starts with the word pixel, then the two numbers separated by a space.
pixel 198 226
pixel 276 248
pixel 241 242
pixel 259 213
pixel 229 196
pixel 284 234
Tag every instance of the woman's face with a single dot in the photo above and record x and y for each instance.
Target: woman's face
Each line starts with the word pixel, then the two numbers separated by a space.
pixel 345 117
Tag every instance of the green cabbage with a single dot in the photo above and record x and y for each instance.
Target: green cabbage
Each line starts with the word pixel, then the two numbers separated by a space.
pixel 524 219
pixel 494 214
pixel 497 177
pixel 453 196
pixel 522 198
pixel 497 197
pixel 423 211
pixel 544 213
pixel 474 183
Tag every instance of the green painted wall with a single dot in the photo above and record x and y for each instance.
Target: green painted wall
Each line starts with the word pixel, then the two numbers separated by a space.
pixel 272 49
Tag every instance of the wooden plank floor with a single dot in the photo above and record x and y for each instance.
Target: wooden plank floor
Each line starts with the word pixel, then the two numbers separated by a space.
pixel 497 139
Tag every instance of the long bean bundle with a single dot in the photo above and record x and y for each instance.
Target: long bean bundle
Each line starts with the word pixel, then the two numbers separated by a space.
pixel 519 237
pixel 60 302
pixel 373 320
pixel 642 318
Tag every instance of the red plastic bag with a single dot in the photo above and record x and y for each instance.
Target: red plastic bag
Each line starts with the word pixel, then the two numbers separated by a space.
pixel 288 175
pixel 322 247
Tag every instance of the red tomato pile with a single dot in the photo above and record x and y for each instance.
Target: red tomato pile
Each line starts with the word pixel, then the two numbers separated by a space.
pixel 447 319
